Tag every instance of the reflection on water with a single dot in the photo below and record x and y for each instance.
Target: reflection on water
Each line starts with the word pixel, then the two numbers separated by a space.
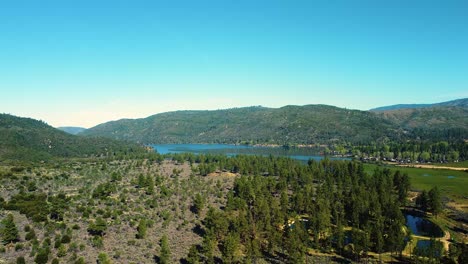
pixel 422 227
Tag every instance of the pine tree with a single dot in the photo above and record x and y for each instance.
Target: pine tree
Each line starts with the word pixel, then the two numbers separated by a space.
pixel 20 260
pixel 150 184
pixel 42 256
pixel 142 226
pixel 104 259
pixel 165 255
pixel 8 230
pixel 198 203
pixel 435 204
pixel 231 242
pixel 423 200
pixel 193 255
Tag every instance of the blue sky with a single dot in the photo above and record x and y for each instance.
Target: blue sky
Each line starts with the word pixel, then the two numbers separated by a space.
pixel 85 62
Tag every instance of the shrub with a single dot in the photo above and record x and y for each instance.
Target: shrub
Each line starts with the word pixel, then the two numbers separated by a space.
pixel 20 260
pixel 30 235
pixel 65 239
pixel 42 256
pixel 18 246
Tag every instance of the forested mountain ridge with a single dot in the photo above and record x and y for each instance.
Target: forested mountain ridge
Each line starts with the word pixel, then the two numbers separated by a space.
pixel 29 139
pixel 289 124
pixel 309 124
pixel 459 102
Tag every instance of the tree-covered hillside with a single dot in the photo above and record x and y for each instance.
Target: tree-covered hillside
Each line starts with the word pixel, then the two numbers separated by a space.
pixel 310 124
pixel 437 117
pixel 29 139
pixel 290 124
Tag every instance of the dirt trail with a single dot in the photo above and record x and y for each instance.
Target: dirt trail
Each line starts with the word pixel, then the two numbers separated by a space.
pixel 446 240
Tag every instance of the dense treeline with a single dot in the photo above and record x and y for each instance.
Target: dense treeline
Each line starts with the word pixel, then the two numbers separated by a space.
pixel 286 208
pixel 422 151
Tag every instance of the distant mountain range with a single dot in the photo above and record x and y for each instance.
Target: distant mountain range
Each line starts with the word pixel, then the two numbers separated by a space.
pixel 72 130
pixel 32 140
pixel 309 124
pixel 26 139
pixel 459 102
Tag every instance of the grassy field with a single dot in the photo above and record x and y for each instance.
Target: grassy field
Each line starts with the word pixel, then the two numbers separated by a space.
pixel 453 184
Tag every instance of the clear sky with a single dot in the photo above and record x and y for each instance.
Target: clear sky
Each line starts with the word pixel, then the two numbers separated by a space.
pixel 85 62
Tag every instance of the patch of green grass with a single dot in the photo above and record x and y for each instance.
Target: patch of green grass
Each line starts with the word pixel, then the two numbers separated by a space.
pixel 453 184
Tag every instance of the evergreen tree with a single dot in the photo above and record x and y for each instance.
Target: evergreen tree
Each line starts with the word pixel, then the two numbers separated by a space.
pixel 198 203
pixel 42 256
pixel 193 255
pixel 434 200
pixel 423 200
pixel 141 181
pixel 165 254
pixel 208 246
pixel 142 226
pixel 150 185
pixel 8 230
pixel 104 259
pixel 229 248
pixel 20 260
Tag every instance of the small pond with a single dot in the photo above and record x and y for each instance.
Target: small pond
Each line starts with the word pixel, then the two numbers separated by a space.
pixel 423 227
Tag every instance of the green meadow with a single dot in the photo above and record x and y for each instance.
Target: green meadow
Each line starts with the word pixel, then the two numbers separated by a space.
pixel 453 184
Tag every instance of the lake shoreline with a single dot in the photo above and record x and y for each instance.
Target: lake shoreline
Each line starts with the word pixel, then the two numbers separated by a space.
pixel 298 153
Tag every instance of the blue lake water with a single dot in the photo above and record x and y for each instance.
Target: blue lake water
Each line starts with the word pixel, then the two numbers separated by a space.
pixel 302 154
pixel 422 227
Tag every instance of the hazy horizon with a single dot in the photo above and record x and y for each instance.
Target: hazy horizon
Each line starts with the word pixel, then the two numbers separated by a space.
pixel 87 62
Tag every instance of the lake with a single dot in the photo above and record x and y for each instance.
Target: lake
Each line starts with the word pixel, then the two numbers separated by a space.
pixel 302 154
pixel 423 227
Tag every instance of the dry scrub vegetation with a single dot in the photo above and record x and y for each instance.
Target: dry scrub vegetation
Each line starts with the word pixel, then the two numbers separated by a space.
pixel 122 193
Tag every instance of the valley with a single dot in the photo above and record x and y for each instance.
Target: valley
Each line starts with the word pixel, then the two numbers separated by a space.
pixel 110 199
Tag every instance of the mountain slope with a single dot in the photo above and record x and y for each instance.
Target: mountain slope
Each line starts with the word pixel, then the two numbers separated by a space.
pixel 72 130
pixel 29 139
pixel 458 102
pixel 429 118
pixel 289 124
